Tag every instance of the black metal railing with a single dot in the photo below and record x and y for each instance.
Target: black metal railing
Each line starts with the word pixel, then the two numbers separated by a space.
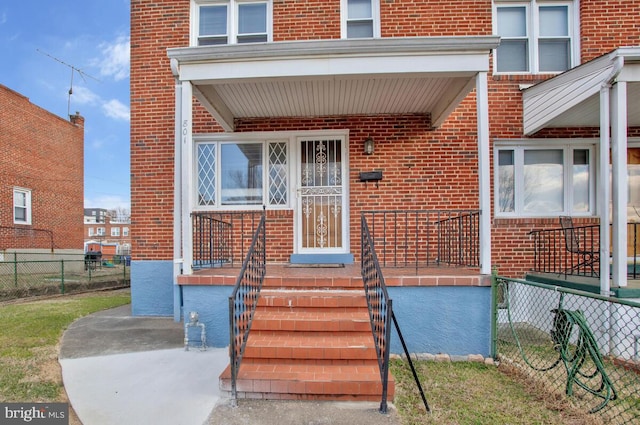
pixel 426 238
pixel 222 238
pixel 243 301
pixel 381 313
pixel 567 251
pixel 575 251
pixel 633 265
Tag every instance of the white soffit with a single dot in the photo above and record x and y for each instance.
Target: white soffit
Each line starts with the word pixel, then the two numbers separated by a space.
pixel 334 77
pixel 572 99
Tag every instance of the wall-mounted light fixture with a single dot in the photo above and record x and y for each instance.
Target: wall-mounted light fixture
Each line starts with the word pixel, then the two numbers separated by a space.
pixel 368 146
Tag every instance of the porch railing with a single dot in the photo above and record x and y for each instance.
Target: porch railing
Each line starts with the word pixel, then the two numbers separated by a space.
pixel 426 238
pixel 553 254
pixel 222 238
pixel 243 301
pixel 381 313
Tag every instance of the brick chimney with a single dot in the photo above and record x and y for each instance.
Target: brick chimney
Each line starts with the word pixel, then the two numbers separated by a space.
pixel 77 120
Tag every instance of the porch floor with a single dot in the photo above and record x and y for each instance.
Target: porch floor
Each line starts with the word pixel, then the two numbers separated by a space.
pixel 347 275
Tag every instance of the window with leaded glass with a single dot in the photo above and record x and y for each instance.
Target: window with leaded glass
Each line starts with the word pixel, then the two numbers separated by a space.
pixel 247 173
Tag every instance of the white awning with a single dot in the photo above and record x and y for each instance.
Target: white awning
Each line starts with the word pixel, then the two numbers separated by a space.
pixel 571 99
pixel 418 75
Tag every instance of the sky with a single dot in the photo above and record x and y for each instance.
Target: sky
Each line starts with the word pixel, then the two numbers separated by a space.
pixel 50 46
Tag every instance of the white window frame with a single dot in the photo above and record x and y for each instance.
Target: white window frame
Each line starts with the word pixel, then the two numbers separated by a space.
pixel 344 18
pixel 26 207
pixel 533 24
pixel 115 232
pixel 232 18
pixel 567 146
pixel 125 232
pixel 242 138
pixel 100 231
pixel 91 232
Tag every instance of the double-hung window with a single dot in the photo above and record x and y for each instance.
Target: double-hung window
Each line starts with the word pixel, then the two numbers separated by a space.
pixel 21 206
pixel 230 21
pixel 115 232
pixel 536 36
pixel 544 180
pixel 360 18
pixel 242 174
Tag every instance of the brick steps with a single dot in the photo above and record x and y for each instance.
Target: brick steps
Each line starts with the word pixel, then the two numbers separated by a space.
pixel 316 321
pixel 311 343
pixel 307 382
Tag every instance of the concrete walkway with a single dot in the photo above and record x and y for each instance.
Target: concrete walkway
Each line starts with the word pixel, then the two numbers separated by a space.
pixel 119 370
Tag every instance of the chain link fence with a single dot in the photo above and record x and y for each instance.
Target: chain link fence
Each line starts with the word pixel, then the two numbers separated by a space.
pixel 577 345
pixel 28 274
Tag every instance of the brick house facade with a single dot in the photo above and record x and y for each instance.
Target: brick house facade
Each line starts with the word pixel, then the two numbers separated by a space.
pixel 437 156
pixel 41 177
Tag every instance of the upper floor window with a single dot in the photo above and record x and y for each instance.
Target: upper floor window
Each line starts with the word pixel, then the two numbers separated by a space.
pixel 231 21
pixel 115 232
pixel 544 180
pixel 90 231
pixel 21 206
pixel 101 231
pixel 360 18
pixel 125 231
pixel 536 36
pixel 250 173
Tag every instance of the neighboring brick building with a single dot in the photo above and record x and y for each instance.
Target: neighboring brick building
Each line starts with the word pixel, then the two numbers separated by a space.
pixel 41 177
pixel 102 233
pixel 252 89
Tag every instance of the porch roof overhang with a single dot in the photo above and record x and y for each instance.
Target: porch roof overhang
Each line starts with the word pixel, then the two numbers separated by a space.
pixel 418 75
pixel 572 99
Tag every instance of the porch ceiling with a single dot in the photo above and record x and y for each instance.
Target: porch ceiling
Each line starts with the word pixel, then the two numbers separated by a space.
pixel 417 75
pixel 572 99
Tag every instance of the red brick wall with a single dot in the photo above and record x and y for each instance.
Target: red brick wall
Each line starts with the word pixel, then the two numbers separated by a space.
pixel 44 153
pixel 423 169
pixel 155 26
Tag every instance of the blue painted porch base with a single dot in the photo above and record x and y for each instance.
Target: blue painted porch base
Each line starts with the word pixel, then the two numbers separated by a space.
pixel 451 320
pixel 152 288
pixel 445 319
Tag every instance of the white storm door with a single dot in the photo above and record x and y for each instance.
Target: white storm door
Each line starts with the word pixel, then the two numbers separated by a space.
pixel 321 202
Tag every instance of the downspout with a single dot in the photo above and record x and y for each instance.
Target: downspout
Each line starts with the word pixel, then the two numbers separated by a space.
pixel 482 108
pixel 177 197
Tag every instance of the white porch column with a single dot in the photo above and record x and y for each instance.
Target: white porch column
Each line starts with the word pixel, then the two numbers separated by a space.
pixel 177 201
pixel 482 107
pixel 620 181
pixel 604 191
pixel 187 175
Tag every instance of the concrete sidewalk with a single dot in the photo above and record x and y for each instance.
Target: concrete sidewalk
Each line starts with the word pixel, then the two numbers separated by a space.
pixel 119 370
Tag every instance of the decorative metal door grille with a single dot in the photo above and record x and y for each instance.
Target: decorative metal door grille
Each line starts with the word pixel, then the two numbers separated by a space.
pixel 321 194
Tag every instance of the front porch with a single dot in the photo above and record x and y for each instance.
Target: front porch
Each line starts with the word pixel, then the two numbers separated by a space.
pixel 311 336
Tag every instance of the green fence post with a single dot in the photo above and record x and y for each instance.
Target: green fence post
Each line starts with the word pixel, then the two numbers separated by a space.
pixel 62 277
pixel 15 269
pixel 494 314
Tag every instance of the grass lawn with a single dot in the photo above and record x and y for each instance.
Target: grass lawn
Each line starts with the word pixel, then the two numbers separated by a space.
pixel 29 337
pixel 458 393
pixel 467 393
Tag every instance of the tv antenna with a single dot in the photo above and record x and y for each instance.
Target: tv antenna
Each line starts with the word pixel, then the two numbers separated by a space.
pixel 73 69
